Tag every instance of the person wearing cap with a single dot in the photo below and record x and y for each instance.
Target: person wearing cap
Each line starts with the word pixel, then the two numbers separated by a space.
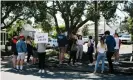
pixel 22 50
pixel 14 50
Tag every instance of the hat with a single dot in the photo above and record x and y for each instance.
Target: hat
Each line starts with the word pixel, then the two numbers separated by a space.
pixel 21 36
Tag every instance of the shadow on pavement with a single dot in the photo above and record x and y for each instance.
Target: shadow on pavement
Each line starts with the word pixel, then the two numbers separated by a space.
pixel 81 71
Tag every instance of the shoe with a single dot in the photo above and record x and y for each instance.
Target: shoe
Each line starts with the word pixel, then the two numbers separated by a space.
pixel 94 72
pixel 43 71
pixel 21 70
pixel 116 62
pixel 60 62
pixel 40 71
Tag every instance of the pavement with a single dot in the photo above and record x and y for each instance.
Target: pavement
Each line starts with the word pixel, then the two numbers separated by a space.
pixel 83 70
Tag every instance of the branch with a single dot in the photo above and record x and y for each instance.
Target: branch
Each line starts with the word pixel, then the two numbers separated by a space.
pixel 81 24
pixel 121 11
pixel 6 15
pixel 8 25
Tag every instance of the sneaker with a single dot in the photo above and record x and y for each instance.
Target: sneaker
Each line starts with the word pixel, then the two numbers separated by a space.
pixel 116 62
pixel 94 72
pixel 43 71
pixel 40 71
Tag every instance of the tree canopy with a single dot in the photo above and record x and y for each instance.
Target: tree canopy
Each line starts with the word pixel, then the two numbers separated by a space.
pixel 74 13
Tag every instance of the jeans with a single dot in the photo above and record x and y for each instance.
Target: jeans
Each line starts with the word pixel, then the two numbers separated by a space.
pixel 101 56
pixel 41 57
pixel 79 52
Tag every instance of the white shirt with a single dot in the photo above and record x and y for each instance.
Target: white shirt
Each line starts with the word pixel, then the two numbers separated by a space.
pixel 41 47
pixel 80 42
pixel 100 48
pixel 117 43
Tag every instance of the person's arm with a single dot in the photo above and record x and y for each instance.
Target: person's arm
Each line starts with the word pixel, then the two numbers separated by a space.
pixel 105 47
pixel 114 41
pixel 88 44
pixel 24 47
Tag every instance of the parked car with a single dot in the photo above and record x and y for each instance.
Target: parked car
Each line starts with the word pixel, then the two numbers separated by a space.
pixel 52 43
pixel 85 38
pixel 125 38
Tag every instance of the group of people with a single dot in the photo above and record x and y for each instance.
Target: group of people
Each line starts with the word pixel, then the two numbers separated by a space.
pixel 73 45
pixel 22 46
pixel 107 47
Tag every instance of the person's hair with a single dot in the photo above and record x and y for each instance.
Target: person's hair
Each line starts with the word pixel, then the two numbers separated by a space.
pixel 90 37
pixel 107 33
pixel 102 41
pixel 116 34
pixel 79 37
pixel 28 38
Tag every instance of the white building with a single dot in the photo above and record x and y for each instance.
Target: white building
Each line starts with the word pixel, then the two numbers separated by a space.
pixel 102 26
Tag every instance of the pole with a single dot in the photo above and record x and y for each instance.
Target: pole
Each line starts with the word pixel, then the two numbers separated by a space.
pixel 96 24
pixel 104 24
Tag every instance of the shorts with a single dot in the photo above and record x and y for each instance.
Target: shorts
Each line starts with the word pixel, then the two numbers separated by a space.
pixel 35 54
pixel 116 51
pixel 21 56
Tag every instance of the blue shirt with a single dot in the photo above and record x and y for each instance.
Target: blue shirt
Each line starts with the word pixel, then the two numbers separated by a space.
pixel 110 41
pixel 21 46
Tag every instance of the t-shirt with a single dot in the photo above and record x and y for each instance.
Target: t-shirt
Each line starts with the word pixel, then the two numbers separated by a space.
pixel 100 48
pixel 117 40
pixel 80 42
pixel 62 40
pixel 41 47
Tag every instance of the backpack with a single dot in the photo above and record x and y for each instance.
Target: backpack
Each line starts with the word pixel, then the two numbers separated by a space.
pixel 91 48
pixel 74 47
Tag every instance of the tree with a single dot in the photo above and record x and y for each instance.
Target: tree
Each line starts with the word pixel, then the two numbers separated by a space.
pixel 129 8
pixel 11 11
pixel 85 31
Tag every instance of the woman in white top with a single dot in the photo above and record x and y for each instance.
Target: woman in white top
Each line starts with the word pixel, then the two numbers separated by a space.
pixel 80 43
pixel 41 49
pixel 117 47
pixel 101 49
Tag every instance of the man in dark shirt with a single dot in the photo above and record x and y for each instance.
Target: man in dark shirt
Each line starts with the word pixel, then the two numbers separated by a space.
pixel 110 41
pixel 62 41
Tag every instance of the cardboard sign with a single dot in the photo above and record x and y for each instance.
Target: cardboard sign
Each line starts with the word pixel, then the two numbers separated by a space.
pixel 41 37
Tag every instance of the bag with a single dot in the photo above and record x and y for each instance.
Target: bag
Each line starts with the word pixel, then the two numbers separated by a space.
pixel 74 47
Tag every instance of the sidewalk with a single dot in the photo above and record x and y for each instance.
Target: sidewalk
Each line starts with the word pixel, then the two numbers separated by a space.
pixel 123 71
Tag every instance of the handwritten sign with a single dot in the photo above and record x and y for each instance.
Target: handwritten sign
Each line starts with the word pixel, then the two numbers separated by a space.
pixel 41 37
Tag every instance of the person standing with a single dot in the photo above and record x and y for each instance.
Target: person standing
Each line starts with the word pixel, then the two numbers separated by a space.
pixel 62 42
pixel 73 49
pixel 29 49
pixel 22 50
pixel 14 50
pixel 90 49
pixel 80 43
pixel 41 50
pixel 101 49
pixel 110 41
pixel 117 47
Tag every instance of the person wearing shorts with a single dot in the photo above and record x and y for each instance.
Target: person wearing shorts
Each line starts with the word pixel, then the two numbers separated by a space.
pixel 117 47
pixel 21 49
pixel 14 50
pixel 62 41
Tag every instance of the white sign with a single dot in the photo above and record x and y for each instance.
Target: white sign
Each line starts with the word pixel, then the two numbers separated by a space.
pixel 41 37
